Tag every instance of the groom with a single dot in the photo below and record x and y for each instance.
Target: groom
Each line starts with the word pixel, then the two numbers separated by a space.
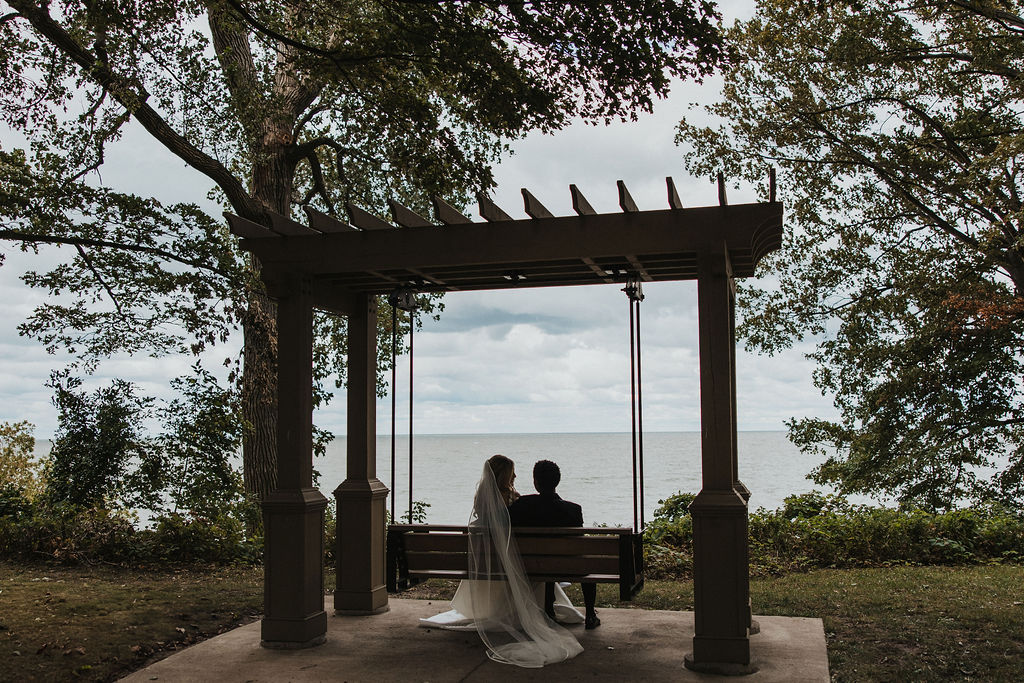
pixel 546 508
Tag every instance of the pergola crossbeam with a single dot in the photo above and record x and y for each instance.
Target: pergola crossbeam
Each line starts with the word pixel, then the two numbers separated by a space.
pixel 283 225
pixel 448 214
pixel 490 211
pixel 364 220
pixel 533 207
pixel 437 282
pixel 246 229
pixel 625 200
pixel 673 195
pixel 325 223
pixel 598 270
pixel 639 269
pixel 406 217
pixel 579 203
pixel 749 230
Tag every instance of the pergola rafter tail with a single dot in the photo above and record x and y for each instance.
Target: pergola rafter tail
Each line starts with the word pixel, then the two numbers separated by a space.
pixel 656 245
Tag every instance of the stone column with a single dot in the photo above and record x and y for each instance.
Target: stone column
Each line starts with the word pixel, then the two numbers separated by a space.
pixel 721 642
pixel 361 497
pixel 293 514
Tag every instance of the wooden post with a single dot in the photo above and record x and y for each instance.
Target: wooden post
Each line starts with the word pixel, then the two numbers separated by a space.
pixel 361 497
pixel 721 642
pixel 740 488
pixel 293 514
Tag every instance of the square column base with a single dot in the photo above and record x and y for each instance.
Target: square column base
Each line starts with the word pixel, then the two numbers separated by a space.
pixel 721 583
pixel 360 550
pixel 293 584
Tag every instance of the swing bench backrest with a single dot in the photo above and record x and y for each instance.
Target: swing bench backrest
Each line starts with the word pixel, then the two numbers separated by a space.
pixel 416 552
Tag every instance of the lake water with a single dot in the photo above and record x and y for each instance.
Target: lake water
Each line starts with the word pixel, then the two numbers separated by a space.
pixel 596 469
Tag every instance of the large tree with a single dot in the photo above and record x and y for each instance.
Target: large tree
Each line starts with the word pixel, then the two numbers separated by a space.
pixel 284 103
pixel 899 129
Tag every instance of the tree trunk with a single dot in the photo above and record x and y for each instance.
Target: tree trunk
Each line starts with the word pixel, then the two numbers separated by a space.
pixel 259 395
pixel 272 181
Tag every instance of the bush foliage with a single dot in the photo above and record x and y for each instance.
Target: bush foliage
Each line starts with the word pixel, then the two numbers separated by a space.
pixel 62 533
pixel 813 531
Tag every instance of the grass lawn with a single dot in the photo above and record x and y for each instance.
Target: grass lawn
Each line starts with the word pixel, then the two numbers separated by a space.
pixel 99 623
pixel 897 624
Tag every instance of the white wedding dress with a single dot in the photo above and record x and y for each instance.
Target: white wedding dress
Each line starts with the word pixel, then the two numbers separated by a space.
pixel 461 616
pixel 498 601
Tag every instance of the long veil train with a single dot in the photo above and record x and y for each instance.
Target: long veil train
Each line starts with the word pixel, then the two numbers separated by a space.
pixel 516 630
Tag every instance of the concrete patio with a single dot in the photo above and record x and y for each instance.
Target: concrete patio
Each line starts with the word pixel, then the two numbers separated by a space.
pixel 630 645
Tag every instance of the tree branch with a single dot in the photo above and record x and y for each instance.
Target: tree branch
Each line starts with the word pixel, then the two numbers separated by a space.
pixel 17 235
pixel 1005 19
pixel 319 186
pixel 99 278
pixel 302 151
pixel 133 97
pixel 336 57
pixel 891 181
pixel 234 54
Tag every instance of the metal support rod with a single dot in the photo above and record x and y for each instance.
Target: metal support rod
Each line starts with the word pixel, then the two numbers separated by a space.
pixel 403 298
pixel 394 386
pixel 412 326
pixel 639 411
pixel 632 405
pixel 635 294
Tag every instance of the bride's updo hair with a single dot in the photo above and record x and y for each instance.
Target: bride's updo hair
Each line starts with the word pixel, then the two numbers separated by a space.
pixel 504 471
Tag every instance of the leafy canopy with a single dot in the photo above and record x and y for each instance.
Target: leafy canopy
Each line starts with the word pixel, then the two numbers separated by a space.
pixel 900 133
pixel 284 104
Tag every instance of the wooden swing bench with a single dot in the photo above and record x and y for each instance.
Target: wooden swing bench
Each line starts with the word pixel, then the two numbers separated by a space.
pixel 416 552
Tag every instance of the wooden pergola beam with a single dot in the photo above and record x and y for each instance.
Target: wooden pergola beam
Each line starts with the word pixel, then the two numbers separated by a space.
pixel 752 230
pixel 406 217
pixel 491 212
pixel 579 203
pixel 448 214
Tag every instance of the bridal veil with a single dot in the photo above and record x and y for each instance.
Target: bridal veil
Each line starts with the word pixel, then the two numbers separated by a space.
pixel 515 628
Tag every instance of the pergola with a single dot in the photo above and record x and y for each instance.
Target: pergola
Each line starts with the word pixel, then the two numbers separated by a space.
pixel 342 267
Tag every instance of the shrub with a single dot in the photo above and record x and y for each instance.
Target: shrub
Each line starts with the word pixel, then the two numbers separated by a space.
pixel 176 538
pixel 14 503
pixel 73 534
pixel 18 468
pixel 813 530
pixel 68 534
pixel 99 456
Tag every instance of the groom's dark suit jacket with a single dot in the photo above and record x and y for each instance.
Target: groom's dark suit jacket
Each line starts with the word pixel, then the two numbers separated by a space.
pixel 545 509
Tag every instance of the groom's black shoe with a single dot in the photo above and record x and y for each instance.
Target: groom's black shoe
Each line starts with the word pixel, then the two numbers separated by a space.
pixel 591 622
pixel 549 600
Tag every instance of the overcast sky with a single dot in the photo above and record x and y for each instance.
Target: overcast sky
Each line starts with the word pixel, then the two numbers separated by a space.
pixel 539 360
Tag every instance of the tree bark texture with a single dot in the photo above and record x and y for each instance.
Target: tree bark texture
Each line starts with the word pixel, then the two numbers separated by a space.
pixel 259 395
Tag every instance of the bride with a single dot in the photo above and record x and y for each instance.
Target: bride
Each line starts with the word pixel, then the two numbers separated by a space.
pixel 498 600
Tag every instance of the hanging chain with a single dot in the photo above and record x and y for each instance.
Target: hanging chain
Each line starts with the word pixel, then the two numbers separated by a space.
pixel 403 298
pixel 394 380
pixel 635 294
